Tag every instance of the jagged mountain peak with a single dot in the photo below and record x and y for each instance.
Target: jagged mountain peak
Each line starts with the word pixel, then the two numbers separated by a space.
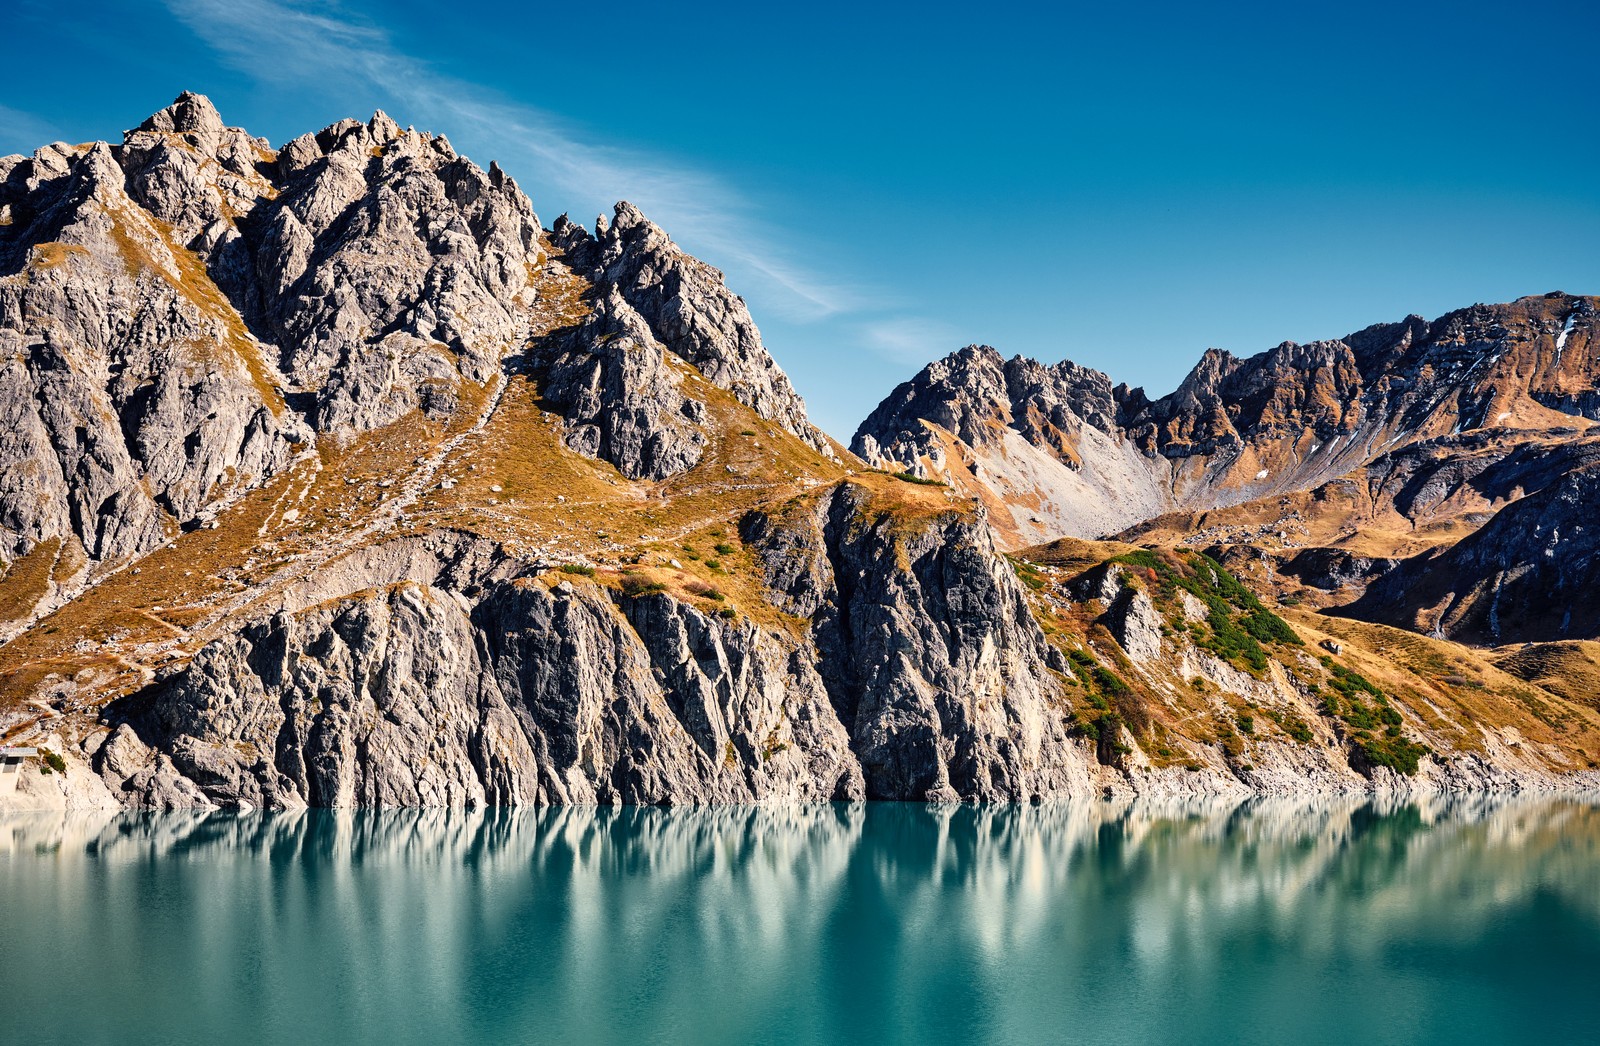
pixel 1238 428
pixel 189 113
pixel 688 304
pixel 356 276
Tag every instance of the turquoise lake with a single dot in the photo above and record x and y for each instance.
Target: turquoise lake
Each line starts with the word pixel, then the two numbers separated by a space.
pixel 1448 922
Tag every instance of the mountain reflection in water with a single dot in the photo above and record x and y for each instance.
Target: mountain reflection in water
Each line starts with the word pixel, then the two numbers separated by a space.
pixel 1452 920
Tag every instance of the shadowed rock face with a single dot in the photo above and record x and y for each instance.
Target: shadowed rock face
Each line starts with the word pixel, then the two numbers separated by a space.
pixel 1528 575
pixel 930 656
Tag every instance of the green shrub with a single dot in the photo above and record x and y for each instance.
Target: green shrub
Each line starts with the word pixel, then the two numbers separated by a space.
pixel 639 585
pixel 577 568
pixel 1027 573
pixel 1397 753
pixel 1267 627
pixel 1237 623
pixel 910 478
pixel 1108 681
pixel 723 548
pixel 704 591
pixel 52 763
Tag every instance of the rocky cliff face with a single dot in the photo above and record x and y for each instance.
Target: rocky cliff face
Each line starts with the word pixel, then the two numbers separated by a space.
pixel 923 683
pixel 131 394
pixel 381 267
pixel 623 401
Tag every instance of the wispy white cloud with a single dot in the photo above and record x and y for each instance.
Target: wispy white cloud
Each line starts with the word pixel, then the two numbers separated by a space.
pixel 23 132
pixel 910 339
pixel 287 43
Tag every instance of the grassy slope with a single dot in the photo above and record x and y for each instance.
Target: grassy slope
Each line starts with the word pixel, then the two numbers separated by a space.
pixel 1448 694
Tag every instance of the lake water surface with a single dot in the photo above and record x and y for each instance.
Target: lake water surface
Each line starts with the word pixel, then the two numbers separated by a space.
pixel 1458 922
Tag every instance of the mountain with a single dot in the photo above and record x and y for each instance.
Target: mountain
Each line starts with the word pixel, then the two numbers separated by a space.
pixel 331 476
pixel 1039 438
pixel 1329 465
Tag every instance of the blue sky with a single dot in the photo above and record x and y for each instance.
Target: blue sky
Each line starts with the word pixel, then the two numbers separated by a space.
pixel 1123 186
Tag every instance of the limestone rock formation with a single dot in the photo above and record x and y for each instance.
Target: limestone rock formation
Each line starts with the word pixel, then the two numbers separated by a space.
pixel 623 401
pixel 928 683
pixel 690 310
pixel 132 396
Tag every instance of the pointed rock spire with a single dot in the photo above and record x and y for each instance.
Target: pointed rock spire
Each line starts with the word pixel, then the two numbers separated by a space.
pixel 190 113
pixel 383 128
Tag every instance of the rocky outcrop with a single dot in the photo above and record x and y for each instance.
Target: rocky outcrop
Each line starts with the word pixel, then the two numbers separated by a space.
pixel 932 659
pixel 924 682
pixel 689 309
pixel 622 399
pixel 131 395
pixel 1040 444
pixel 388 270
pixel 383 268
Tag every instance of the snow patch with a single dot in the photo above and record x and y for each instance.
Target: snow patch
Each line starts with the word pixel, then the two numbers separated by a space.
pixel 1561 339
pixel 1262 474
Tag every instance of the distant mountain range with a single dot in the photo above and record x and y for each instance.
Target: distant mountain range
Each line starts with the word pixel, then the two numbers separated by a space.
pixel 330 476
pixel 1368 462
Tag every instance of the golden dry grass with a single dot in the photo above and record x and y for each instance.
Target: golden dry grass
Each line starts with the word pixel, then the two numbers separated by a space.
pixel 1075 555
pixel 1569 669
pixel 46 256
pixel 1455 688
pixel 28 580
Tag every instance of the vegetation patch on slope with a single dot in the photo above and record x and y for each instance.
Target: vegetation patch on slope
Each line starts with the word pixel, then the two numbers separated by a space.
pixel 1237 623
